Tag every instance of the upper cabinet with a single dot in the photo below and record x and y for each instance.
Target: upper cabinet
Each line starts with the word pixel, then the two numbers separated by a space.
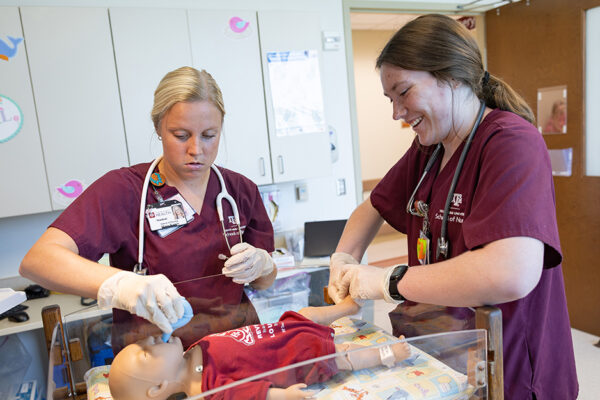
pixel 75 87
pixel 226 44
pixel 24 187
pixel 148 42
pixel 93 74
pixel 291 59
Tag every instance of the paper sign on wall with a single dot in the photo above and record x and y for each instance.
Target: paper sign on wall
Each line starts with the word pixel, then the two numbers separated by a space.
pixel 296 92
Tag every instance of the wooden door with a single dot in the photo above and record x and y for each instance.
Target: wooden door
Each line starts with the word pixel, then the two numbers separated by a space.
pixel 537 44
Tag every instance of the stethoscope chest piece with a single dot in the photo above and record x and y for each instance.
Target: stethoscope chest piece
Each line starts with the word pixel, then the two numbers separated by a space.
pixel 443 246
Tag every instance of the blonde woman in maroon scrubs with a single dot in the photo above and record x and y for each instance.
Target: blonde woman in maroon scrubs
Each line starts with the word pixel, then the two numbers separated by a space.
pixel 475 196
pixel 188 115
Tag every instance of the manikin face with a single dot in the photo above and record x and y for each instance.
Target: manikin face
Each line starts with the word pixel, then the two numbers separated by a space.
pixel 190 133
pixel 141 366
pixel 420 100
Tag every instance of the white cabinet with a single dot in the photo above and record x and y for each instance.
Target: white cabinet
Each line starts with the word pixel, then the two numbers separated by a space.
pixel 93 74
pixel 225 43
pixel 148 43
pixel 24 188
pixel 303 155
pixel 74 82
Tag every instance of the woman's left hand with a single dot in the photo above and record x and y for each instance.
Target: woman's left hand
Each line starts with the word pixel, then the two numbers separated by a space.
pixel 247 263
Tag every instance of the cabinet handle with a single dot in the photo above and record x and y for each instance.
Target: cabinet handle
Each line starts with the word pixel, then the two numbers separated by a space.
pixel 261 166
pixel 280 163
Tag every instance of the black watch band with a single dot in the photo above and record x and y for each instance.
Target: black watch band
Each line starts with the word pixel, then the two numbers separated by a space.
pixel 395 277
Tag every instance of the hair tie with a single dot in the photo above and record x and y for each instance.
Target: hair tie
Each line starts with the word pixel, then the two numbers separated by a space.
pixel 486 78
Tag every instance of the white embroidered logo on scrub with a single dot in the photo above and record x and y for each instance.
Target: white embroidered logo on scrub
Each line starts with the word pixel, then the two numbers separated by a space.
pixel 455 214
pixel 457 200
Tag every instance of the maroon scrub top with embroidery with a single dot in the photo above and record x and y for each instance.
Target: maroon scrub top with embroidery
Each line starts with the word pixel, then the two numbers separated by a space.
pixel 505 190
pixel 104 219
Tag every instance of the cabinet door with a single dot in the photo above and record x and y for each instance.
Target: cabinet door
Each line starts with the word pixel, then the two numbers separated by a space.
pixel 225 43
pixel 75 88
pixel 24 189
pixel 298 134
pixel 148 43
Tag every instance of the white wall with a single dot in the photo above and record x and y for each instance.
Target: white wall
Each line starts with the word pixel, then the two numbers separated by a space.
pixel 19 233
pixel 382 140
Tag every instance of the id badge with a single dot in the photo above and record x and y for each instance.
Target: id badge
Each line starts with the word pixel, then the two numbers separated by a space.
pixel 189 216
pixel 423 247
pixel 166 214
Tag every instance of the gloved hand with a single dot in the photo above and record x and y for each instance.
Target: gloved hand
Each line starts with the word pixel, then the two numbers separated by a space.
pixel 152 297
pixel 188 314
pixel 367 282
pixel 247 263
pixel 338 260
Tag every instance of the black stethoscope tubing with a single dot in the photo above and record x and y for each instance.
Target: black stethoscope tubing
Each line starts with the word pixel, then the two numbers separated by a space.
pixel 443 245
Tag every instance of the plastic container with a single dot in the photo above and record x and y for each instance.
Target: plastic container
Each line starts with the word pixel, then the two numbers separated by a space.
pixel 286 294
pixel 14 362
pixel 269 309
pixel 96 381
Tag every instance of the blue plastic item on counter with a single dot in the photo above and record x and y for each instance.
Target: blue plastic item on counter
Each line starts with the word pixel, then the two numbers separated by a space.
pixel 99 343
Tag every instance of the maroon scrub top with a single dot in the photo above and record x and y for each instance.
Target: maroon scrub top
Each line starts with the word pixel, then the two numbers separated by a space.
pixel 104 219
pixel 505 190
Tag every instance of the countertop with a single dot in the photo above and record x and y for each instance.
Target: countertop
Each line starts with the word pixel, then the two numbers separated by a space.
pixel 70 308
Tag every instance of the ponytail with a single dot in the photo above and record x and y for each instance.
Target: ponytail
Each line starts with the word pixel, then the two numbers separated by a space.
pixel 498 94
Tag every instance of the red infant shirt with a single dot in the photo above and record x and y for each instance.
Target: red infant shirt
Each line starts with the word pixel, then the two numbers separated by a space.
pixel 251 350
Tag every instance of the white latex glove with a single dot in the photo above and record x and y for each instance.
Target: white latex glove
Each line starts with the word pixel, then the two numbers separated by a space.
pixel 247 263
pixel 152 297
pixel 367 282
pixel 338 260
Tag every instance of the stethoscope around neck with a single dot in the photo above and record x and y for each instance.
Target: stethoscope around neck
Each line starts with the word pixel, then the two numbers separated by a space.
pixel 223 195
pixel 443 244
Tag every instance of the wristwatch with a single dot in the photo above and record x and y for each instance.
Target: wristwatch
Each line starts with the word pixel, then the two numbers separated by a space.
pixel 395 277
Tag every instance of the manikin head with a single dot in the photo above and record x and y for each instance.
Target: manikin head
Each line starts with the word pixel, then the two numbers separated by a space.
pixel 148 369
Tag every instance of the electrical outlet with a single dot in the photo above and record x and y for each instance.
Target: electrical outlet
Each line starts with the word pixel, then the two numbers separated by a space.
pixel 340 186
pixel 301 192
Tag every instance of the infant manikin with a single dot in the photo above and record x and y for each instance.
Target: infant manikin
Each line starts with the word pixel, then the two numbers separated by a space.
pixel 153 369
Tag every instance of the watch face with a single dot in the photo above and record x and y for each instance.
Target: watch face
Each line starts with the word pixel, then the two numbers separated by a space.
pixel 396 276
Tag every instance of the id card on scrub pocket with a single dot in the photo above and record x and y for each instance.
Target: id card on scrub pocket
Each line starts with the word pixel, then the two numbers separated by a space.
pixel 165 215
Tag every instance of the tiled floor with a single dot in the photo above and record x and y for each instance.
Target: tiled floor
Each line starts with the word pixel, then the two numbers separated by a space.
pixel 587 360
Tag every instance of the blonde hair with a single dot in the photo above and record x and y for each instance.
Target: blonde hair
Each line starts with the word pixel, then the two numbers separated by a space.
pixel 185 84
pixel 443 47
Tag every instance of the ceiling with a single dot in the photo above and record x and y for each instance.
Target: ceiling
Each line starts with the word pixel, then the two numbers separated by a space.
pixel 362 18
pixel 379 21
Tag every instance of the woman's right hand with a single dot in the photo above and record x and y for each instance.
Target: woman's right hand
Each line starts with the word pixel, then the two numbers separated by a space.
pixel 152 297
pixel 336 267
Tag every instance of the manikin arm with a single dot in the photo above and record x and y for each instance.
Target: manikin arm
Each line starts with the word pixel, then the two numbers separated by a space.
pixel 291 393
